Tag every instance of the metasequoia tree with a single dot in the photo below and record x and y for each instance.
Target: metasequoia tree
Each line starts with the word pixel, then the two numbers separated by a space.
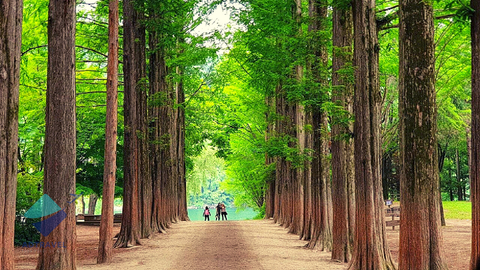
pixel 180 151
pixel 130 231
pixel 307 227
pixel 420 229
pixel 161 113
pixel 370 243
pixel 475 138
pixel 321 201
pixel 143 144
pixel 270 191
pixel 106 224
pixel 299 116
pixel 343 191
pixel 60 131
pixel 10 44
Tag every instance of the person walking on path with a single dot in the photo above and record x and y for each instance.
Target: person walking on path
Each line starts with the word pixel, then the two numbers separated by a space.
pixel 217 215
pixel 206 214
pixel 224 211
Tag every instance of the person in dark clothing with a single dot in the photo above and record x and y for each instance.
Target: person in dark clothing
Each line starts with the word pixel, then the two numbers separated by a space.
pixel 223 210
pixel 206 214
pixel 217 215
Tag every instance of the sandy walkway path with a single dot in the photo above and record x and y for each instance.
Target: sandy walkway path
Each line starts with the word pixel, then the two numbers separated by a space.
pixel 227 245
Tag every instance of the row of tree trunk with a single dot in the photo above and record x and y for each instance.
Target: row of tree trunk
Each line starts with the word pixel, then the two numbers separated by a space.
pixel 345 213
pixel 154 191
pixel 154 169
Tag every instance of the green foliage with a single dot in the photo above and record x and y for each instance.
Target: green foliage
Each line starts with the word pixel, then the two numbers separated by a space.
pixel 29 190
pixel 204 180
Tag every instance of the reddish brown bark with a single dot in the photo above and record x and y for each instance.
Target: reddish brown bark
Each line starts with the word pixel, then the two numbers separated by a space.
pixel 370 244
pixel 142 133
pixel 475 137
pixel 60 131
pixel 307 230
pixel 161 139
pixel 297 195
pixel 92 203
pixel 342 145
pixel 106 224
pixel 279 162
pixel 285 173
pixel 270 192
pixel 182 184
pixel 420 229
pixel 10 45
pixel 320 183
pixel 130 231
pixel 320 187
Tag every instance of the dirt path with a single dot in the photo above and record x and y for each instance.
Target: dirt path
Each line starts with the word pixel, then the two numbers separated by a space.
pixel 232 245
pixel 227 245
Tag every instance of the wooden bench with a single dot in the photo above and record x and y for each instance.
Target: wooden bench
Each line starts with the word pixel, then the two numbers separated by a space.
pixel 94 220
pixel 393 212
pixel 117 218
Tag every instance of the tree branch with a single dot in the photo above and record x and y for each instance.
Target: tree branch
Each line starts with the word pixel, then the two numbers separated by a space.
pixel 33 48
pixel 386 9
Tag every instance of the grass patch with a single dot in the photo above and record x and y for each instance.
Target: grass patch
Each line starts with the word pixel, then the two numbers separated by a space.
pixel 457 210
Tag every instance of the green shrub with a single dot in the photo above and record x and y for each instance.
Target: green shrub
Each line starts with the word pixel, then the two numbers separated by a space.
pixel 25 232
pixel 29 190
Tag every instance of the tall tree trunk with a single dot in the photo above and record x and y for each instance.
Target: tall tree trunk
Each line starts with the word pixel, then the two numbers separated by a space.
pixel 144 173
pixel 161 132
pixel 307 230
pixel 459 178
pixel 469 153
pixel 83 203
pixel 92 203
pixel 279 162
pixel 270 192
pixel 106 223
pixel 10 45
pixel 420 228
pixel 299 120
pixel 173 180
pixel 320 184
pixel 342 146
pixel 442 152
pixel 130 231
pixel 475 141
pixel 285 173
pixel 370 243
pixel 182 184
pixel 60 132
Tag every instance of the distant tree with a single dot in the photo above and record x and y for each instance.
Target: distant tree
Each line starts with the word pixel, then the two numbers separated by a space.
pixel 60 139
pixel 180 151
pixel 10 45
pixel 106 224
